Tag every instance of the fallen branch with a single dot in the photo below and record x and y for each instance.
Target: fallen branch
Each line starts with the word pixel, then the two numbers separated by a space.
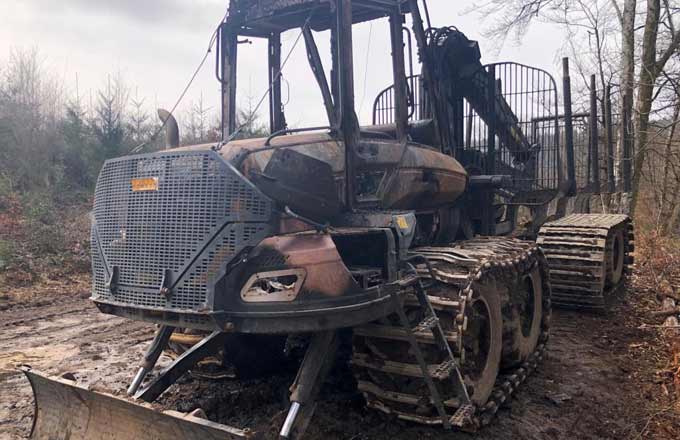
pixel 669 312
pixel 650 418
pixel 674 296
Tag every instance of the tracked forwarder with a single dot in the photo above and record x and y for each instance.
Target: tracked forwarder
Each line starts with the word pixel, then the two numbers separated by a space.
pixel 404 230
pixel 589 257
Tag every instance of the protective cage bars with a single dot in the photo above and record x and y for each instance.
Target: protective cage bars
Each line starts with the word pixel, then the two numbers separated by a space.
pixel 525 97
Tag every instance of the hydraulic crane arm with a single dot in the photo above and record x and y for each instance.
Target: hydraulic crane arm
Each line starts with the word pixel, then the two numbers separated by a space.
pixel 457 70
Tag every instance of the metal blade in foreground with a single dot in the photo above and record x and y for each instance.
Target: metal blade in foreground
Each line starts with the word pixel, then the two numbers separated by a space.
pixel 64 410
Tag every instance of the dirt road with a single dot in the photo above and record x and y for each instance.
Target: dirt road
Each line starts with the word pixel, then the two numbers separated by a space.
pixel 589 386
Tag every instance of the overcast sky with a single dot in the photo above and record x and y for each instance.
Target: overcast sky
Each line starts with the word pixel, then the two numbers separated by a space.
pixel 156 45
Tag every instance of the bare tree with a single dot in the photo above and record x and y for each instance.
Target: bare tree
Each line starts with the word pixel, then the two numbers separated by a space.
pixel 625 144
pixel 31 106
pixel 656 53
pixel 660 39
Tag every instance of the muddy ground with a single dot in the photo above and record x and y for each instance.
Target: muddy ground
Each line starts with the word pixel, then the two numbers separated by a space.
pixel 597 380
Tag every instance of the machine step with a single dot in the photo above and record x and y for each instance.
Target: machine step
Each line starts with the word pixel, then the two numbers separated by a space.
pixel 399 334
pixel 404 398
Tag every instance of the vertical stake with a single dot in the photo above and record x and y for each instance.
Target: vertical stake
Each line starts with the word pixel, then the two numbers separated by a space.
pixel 611 185
pixel 568 128
pixel 594 138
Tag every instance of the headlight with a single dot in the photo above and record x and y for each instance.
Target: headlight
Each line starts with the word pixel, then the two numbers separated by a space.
pixel 274 286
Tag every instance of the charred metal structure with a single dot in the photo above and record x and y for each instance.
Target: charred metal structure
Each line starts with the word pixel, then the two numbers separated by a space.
pixel 407 231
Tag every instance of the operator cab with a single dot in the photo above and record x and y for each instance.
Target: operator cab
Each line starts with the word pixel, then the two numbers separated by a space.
pixel 375 167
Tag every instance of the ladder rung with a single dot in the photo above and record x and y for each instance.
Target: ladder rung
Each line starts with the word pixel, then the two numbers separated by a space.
pixel 423 420
pixel 426 324
pixel 401 368
pixel 422 370
pixel 463 416
pixel 443 370
pixel 436 301
pixel 398 333
pixel 408 399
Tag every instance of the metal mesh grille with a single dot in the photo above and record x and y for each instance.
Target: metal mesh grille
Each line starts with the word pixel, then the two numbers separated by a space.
pixel 98 271
pixel 145 233
pixel 207 268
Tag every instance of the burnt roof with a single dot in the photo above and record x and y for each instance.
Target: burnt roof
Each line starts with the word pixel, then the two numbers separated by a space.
pixel 260 18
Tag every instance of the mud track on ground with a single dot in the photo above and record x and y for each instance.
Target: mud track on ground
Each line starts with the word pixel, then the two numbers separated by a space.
pixel 583 390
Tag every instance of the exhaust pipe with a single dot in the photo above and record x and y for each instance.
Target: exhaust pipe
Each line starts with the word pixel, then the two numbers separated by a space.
pixel 171 128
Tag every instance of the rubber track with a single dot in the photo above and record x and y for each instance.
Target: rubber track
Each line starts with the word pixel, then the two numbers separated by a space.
pixel 456 268
pixel 579 248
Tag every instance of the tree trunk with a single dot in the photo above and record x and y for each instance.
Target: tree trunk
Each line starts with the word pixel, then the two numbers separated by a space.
pixel 625 133
pixel 648 76
pixel 665 202
pixel 675 214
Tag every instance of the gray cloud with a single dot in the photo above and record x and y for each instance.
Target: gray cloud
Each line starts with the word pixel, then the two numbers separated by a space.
pixel 156 44
pixel 152 13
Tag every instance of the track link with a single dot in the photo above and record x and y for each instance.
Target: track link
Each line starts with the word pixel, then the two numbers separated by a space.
pixel 385 371
pixel 589 256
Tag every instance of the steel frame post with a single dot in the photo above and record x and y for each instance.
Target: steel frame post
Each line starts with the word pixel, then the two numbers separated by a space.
pixel 611 183
pixel 594 138
pixel 568 129
pixel 428 83
pixel 228 45
pixel 349 124
pixel 459 123
pixel 488 222
pixel 319 74
pixel 276 117
pixel 399 73
pixel 491 124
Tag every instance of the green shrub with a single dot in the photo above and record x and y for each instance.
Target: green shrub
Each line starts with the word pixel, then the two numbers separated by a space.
pixel 39 208
pixel 7 255
pixel 44 226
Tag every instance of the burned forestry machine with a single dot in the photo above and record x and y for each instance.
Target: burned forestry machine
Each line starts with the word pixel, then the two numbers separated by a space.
pixel 404 230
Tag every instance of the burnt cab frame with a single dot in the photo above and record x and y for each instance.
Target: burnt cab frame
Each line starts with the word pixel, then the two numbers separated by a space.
pixel 268 19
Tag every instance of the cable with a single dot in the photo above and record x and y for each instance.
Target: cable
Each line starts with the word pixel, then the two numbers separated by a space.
pixel 368 53
pixel 213 39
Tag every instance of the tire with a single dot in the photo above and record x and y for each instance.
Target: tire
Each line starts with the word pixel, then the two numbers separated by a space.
pixel 485 327
pixel 617 258
pixel 527 317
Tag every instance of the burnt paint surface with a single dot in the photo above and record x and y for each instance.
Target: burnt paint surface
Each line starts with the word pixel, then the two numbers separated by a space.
pixel 396 176
pixel 326 277
pixel 405 176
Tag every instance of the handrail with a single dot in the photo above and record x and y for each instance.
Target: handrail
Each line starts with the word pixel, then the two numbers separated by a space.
pixel 293 130
pixel 409 85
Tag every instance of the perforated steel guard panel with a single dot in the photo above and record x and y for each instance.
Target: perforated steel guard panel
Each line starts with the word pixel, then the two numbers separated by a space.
pixel 203 213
